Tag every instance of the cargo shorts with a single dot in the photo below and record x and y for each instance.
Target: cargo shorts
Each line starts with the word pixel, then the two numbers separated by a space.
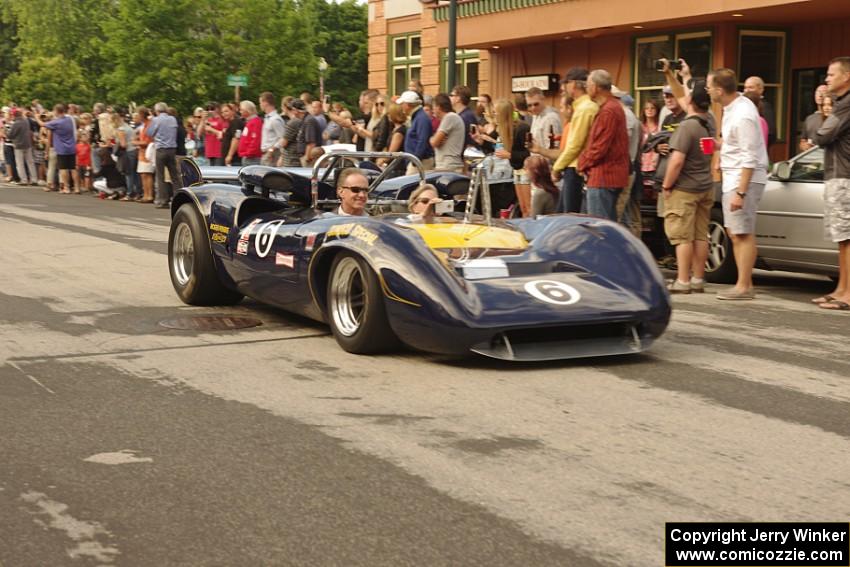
pixel 686 216
pixel 836 210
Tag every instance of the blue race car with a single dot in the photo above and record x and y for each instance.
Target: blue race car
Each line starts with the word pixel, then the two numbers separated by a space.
pixel 561 286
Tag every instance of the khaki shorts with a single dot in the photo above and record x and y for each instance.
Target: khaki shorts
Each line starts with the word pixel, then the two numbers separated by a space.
pixel 836 210
pixel 742 221
pixel 686 216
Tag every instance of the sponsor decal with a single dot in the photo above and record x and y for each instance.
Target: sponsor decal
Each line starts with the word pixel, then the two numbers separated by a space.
pixel 219 237
pixel 242 245
pixel 287 260
pixel 220 228
pixel 557 293
pixel 309 241
pixel 265 238
pixel 355 231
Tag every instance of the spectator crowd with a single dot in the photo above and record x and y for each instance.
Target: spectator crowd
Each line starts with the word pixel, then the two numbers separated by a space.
pixel 592 155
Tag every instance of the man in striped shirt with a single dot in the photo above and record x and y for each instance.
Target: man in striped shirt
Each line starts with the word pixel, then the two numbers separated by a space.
pixel 605 160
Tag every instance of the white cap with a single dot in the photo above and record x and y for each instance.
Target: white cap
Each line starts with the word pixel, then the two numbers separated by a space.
pixel 615 92
pixel 409 97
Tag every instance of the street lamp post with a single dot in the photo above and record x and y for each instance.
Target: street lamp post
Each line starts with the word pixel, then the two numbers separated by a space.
pixel 452 51
pixel 323 66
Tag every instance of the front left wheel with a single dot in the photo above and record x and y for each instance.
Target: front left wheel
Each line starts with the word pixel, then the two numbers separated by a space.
pixel 356 311
pixel 191 264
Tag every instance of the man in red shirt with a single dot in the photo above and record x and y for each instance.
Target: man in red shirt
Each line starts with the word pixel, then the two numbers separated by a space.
pixel 252 134
pixel 605 160
pixel 213 127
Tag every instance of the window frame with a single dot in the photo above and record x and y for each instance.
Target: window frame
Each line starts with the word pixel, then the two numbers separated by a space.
pixel 784 70
pixel 407 62
pixel 463 57
pixel 673 36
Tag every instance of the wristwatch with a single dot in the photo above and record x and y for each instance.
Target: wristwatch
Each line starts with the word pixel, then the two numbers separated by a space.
pixel 741 195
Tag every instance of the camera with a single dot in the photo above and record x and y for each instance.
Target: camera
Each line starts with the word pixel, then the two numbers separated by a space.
pixel 674 65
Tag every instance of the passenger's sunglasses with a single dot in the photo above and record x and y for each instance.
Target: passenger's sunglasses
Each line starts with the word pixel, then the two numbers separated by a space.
pixel 423 201
pixel 355 190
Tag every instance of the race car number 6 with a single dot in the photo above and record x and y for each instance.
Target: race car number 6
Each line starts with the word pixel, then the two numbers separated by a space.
pixel 550 291
pixel 265 238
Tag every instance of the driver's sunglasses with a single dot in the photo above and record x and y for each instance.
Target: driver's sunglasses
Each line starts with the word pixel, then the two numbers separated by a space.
pixel 533 104
pixel 355 189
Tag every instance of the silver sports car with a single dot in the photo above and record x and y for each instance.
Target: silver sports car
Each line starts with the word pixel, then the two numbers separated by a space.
pixel 789 229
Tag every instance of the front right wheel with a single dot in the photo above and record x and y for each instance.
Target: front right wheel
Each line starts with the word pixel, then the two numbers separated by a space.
pixel 356 310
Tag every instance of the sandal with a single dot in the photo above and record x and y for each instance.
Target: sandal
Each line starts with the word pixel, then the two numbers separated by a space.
pixel 825 299
pixel 835 305
pixel 146 201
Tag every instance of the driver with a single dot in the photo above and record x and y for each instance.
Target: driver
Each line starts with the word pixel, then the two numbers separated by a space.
pixel 353 190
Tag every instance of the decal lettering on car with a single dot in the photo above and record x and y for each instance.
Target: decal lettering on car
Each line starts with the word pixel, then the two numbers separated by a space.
pixel 220 228
pixel 355 231
pixel 219 237
pixel 242 245
pixel 265 238
pixel 309 241
pixel 287 260
pixel 557 293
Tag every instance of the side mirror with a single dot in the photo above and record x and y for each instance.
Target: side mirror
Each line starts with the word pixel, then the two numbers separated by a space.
pixel 782 170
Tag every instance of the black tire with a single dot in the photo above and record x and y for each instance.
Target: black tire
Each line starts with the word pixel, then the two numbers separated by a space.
pixel 720 267
pixel 356 311
pixel 190 262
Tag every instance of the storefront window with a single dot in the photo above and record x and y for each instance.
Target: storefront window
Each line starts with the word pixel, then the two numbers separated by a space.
pixel 467 65
pixel 695 48
pixel 405 61
pixel 762 54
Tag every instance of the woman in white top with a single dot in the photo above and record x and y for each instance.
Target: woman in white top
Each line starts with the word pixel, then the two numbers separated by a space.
pixel 369 132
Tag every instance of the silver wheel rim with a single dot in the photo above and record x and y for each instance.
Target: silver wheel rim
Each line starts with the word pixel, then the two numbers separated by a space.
pixel 348 298
pixel 716 246
pixel 182 254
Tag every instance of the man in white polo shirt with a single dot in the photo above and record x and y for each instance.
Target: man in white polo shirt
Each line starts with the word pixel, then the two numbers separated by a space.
pixel 743 161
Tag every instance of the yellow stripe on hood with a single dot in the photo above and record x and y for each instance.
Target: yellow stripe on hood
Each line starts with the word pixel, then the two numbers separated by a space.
pixel 456 235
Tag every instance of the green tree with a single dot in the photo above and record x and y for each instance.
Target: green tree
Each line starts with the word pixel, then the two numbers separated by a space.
pixel 49 79
pixel 341 38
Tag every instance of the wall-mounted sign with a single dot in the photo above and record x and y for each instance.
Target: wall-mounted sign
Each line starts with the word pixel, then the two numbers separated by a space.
pixel 543 82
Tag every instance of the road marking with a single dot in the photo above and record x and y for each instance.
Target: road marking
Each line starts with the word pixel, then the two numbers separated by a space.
pixel 31 377
pixel 123 457
pixel 84 533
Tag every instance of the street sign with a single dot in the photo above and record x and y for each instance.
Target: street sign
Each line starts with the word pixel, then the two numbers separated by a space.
pixel 237 80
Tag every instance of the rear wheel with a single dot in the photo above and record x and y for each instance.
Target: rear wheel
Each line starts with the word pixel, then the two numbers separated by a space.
pixel 720 266
pixel 191 264
pixel 356 310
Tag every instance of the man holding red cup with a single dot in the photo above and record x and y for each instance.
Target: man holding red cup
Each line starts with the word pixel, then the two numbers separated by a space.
pixel 688 189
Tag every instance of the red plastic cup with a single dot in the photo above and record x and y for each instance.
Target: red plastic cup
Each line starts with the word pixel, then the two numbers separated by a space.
pixel 504 213
pixel 707 145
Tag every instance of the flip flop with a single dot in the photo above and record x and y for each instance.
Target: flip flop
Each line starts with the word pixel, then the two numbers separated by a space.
pixel 824 299
pixel 835 305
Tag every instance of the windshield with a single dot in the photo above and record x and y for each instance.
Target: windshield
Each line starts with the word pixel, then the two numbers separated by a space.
pixel 808 166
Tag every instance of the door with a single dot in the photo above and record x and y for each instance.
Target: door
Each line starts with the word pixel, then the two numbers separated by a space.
pixel 789 229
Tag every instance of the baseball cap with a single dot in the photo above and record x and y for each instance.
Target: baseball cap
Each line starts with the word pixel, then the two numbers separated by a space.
pixel 699 96
pixel 409 97
pixel 298 104
pixel 617 92
pixel 668 90
pixel 575 74
pixel 198 111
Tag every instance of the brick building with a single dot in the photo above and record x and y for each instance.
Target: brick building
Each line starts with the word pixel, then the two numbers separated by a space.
pixel 506 45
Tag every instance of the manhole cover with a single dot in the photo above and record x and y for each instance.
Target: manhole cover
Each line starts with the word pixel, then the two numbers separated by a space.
pixel 210 323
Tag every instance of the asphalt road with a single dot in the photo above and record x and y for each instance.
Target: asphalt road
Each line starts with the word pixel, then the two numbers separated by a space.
pixel 126 443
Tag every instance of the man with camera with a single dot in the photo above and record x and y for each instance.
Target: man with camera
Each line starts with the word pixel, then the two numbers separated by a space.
pixel 687 186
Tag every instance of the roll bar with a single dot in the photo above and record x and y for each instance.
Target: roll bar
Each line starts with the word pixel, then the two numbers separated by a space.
pixel 337 157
